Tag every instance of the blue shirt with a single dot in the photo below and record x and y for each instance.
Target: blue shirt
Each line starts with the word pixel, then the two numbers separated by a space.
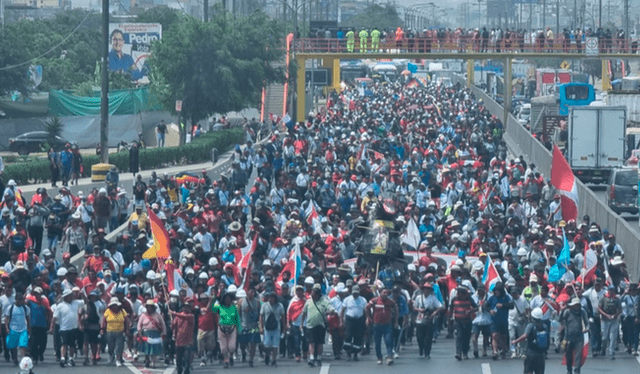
pixel 38 315
pixel 123 64
pixel 502 314
pixel 19 315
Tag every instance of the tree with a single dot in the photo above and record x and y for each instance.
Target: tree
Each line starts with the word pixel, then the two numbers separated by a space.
pixel 218 66
pixel 380 16
pixel 165 16
pixel 54 129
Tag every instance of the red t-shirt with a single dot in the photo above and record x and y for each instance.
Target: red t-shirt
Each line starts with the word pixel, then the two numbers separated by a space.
pixel 207 321
pixel 382 310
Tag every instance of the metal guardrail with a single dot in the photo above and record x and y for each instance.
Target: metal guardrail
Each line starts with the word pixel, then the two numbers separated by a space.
pixel 521 142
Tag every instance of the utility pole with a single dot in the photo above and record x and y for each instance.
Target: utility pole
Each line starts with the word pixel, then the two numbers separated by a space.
pixel 599 13
pixel 626 22
pixel 544 14
pixel 557 19
pixel 206 10
pixel 104 95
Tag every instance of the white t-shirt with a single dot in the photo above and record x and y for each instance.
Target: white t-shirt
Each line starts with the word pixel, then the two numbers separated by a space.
pixel 5 303
pixel 66 314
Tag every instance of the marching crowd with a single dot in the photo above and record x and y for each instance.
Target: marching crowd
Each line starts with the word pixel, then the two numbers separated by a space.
pixel 267 267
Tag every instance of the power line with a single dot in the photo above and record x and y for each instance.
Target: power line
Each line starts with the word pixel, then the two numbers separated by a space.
pixel 50 50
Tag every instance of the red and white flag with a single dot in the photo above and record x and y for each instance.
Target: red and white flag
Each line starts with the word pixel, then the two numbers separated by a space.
pixel 589 267
pixel 175 280
pixel 564 181
pixel 490 276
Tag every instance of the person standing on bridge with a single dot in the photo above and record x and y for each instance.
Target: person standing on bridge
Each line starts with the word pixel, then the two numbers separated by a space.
pixel 363 35
pixel 399 38
pixel 351 36
pixel 375 40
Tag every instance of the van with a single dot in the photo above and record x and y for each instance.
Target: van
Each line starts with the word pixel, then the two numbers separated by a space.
pixel 622 190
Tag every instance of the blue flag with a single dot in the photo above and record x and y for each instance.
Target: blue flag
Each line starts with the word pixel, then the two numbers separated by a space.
pixel 562 263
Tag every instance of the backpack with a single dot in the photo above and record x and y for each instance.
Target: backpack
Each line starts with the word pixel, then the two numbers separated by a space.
pixel 271 324
pixel 541 339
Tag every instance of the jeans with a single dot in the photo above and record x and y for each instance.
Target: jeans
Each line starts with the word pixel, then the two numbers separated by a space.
pixel 424 336
pixel 297 343
pixel 463 336
pixel 610 335
pixel 595 338
pixel 630 332
pixel 115 341
pixel 573 354
pixel 38 342
pixel 160 139
pixel 183 359
pixel 380 331
pixel 354 329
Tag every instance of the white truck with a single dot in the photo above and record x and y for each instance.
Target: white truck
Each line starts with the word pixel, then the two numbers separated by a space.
pixel 596 141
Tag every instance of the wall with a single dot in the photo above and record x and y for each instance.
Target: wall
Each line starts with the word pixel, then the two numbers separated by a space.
pixel 520 142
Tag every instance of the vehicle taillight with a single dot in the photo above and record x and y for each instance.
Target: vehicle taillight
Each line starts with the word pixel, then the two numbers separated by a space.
pixel 612 192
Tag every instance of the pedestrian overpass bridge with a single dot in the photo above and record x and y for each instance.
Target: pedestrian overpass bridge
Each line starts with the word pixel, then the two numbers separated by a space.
pixel 332 51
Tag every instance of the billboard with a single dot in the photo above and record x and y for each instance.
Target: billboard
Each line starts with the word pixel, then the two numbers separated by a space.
pixel 130 46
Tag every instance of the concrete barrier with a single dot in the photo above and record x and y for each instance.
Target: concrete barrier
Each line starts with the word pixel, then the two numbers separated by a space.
pixel 521 142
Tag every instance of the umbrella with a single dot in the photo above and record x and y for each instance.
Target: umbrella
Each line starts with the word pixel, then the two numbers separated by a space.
pixel 406 72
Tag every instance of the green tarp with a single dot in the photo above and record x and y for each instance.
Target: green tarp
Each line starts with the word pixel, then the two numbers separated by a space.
pixel 66 103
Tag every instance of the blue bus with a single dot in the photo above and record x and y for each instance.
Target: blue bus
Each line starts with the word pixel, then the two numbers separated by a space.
pixel 574 94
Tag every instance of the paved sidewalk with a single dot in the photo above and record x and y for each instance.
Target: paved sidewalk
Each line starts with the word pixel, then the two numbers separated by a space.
pixel 126 179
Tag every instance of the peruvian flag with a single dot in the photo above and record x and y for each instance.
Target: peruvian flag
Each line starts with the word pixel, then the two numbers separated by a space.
pixel 175 280
pixel 246 258
pixel 583 354
pixel 490 276
pixel 363 152
pixel 588 272
pixel 293 266
pixel 563 179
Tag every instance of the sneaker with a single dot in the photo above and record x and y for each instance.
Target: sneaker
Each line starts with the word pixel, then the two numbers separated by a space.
pixel 73 363
pixel 458 357
pixel 250 363
pixel 318 362
pixel 355 357
pixel 136 356
pixel 514 354
pixel 311 363
pixel 428 357
pixel 86 361
pixel 274 363
pixel 226 365
pixel 203 364
pixel 635 353
pixel 466 356
pixel 389 360
pixel 118 363
pixel 297 358
pixel 380 362
pixel 395 355
pixel 62 363
pixel 475 354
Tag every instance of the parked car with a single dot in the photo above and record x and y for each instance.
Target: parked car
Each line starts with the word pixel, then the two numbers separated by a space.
pixel 33 141
pixel 622 191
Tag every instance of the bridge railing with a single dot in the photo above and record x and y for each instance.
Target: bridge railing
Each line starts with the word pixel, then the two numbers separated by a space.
pixel 459 45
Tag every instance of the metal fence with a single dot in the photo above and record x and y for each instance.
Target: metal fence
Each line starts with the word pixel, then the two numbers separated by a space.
pixel 521 142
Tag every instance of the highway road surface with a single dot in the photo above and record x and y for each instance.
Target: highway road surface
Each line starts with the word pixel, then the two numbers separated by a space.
pixel 441 362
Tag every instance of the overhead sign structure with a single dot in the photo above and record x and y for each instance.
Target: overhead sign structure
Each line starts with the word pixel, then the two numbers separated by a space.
pixel 131 46
pixel 591 46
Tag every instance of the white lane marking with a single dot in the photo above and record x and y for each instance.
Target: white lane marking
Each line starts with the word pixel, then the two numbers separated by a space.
pixel 134 369
pixel 325 369
pixel 170 370
pixel 486 368
pixel 638 359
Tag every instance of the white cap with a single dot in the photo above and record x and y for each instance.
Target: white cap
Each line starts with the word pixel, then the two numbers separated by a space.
pixel 203 275
pixel 232 289
pixel 12 182
pixel 266 262
pixel 151 275
pixel 62 272
pixel 103 190
pixel 213 261
pixel 309 280
pixel 411 267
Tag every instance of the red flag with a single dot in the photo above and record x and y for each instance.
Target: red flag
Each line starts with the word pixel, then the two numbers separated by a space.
pixel 246 259
pixel 490 276
pixel 562 178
